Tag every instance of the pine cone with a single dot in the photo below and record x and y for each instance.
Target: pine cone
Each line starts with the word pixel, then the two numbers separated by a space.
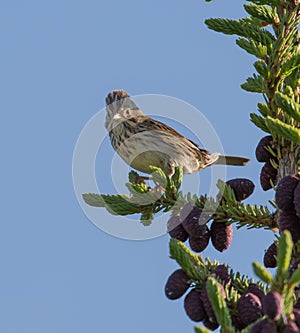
pixel 272 305
pixel 297 200
pixel 199 244
pixel 297 304
pixel 207 304
pixel 285 192
pixel 262 155
pixel 193 306
pixel 176 230
pixel 221 235
pixel 288 220
pixel 242 188
pixel 296 313
pixel 211 325
pixel 254 289
pixel 237 323
pixel 221 272
pixel 291 327
pixel 295 265
pixel 249 308
pixel 268 172
pixel 177 284
pixel 263 326
pixel 270 260
pixel 191 220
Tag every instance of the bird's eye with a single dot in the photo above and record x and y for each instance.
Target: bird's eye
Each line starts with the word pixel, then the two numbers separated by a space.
pixel 127 113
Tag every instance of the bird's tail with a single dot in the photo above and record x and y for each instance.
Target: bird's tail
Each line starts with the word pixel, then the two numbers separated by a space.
pixel 232 160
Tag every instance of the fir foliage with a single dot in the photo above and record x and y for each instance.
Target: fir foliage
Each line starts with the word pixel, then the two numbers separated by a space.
pixel 278 62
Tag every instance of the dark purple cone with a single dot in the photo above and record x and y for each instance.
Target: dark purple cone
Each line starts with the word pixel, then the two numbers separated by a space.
pixel 263 326
pixel 211 325
pixel 176 230
pixel 199 244
pixel 295 265
pixel 297 304
pixel 288 220
pixel 242 188
pixel 297 200
pixel 179 233
pixel 221 235
pixel 177 284
pixel 254 289
pixel 237 323
pixel 193 306
pixel 291 327
pixel 270 256
pixel 296 313
pixel 249 308
pixel 207 304
pixel 191 220
pixel 285 192
pixel 272 305
pixel 221 272
pixel 262 155
pixel 268 172
pixel 269 327
pixel 257 327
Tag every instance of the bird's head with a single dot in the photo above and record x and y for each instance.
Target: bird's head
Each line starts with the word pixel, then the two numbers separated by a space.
pixel 120 107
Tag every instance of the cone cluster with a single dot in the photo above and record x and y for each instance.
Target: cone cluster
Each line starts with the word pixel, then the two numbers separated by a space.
pixel 191 223
pixel 196 302
pixel 253 306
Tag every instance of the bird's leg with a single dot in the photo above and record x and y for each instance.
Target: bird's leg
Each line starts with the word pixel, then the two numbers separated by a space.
pixel 170 168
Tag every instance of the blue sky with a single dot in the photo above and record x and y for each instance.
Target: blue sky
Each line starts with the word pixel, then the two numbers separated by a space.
pixel 59 59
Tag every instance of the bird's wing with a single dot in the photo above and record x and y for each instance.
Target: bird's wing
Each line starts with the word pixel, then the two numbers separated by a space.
pixel 152 124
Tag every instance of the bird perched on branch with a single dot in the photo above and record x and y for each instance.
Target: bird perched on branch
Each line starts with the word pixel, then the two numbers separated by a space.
pixel 142 141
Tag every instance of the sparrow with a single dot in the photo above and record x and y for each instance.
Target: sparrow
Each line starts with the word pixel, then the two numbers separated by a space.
pixel 142 141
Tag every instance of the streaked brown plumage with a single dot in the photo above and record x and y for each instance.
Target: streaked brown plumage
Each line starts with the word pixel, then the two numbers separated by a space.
pixel 142 141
